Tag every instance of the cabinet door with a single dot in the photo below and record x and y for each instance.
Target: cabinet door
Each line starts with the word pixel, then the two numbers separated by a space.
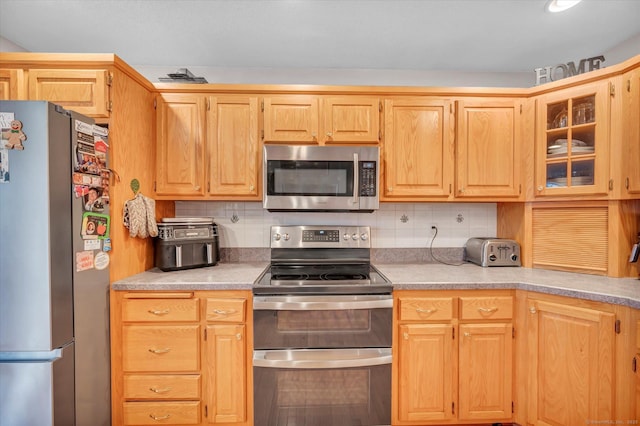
pixel 631 132
pixel 488 157
pixel 226 375
pixel 425 372
pixel 10 84
pixel 485 371
pixel 418 149
pixel 351 119
pixel 180 148
pixel 571 364
pixel 234 149
pixel 572 141
pixel 291 119
pixel 83 91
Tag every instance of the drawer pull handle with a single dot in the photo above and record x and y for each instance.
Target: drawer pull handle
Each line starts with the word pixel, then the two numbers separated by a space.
pixel 159 351
pixel 223 312
pixel 156 390
pixel 159 313
pixel 426 311
pixel 158 418
pixel 487 310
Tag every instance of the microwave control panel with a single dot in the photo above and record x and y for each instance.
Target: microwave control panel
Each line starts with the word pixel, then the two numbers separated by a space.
pixel 367 176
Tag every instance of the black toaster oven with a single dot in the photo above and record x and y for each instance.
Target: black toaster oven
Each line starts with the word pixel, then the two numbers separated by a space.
pixel 185 243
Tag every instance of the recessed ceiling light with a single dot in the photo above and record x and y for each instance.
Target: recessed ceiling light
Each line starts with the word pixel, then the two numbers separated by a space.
pixel 560 5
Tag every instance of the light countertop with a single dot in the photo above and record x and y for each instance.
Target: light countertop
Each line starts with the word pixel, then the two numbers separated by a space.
pixel 430 276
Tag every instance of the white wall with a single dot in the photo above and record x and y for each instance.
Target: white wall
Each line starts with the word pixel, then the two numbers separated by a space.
pixel 456 222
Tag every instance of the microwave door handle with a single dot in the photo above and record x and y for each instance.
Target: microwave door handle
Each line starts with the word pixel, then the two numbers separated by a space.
pixel 356 179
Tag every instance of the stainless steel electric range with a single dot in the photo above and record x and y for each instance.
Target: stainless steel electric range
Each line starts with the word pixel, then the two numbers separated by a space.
pixel 322 317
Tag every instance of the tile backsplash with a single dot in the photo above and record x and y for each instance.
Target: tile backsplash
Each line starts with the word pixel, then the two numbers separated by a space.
pixel 394 225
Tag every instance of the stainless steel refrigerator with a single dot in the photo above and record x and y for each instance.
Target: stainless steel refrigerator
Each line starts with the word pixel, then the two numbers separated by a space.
pixel 54 274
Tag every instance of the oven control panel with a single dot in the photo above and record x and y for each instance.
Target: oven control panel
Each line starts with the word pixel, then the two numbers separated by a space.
pixel 330 236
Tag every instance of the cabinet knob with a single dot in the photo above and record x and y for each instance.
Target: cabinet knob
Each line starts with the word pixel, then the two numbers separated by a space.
pixel 238 336
pixel 540 187
pixel 461 190
pixel 533 310
pixel 329 134
pixel 467 334
pixel 405 336
pixel 251 188
pixel 314 135
pixel 390 189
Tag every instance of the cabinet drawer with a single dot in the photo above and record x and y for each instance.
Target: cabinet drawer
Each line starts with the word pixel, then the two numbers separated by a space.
pixel 226 310
pixel 157 310
pixel 166 413
pixel 425 308
pixel 160 348
pixel 486 307
pixel 173 386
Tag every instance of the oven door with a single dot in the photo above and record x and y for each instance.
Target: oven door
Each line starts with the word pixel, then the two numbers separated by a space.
pixel 338 387
pixel 344 321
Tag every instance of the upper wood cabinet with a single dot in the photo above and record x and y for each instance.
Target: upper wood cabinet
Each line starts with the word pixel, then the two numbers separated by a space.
pixel 208 147
pixel 309 119
pixel 572 141
pixel 631 132
pixel 417 153
pixel 82 90
pixel 180 156
pixel 11 84
pixel 233 146
pixel 488 158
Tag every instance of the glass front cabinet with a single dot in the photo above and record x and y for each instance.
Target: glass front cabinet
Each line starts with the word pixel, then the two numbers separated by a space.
pixel 572 141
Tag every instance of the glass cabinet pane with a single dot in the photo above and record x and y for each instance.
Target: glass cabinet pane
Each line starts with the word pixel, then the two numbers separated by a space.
pixel 582 110
pixel 556 174
pixel 557 115
pixel 582 172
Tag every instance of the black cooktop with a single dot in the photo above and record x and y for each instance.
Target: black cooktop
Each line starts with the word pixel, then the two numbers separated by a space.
pixel 322 279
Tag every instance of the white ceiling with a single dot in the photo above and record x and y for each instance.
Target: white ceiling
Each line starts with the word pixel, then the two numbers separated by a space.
pixel 457 35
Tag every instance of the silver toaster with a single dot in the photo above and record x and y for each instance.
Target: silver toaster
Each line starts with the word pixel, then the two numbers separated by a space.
pixel 492 252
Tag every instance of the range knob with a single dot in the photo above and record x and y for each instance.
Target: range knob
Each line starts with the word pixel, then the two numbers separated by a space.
pixel 514 257
pixel 276 237
pixel 346 237
pixel 355 237
pixel 364 237
pixel 492 257
pixel 285 237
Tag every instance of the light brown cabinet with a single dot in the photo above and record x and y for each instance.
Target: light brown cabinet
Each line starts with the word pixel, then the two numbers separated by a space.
pixel 572 141
pixel 310 119
pixel 208 147
pixel 418 149
pixel 489 148
pixel 570 363
pixel 82 90
pixel 454 357
pixel 180 152
pixel 226 360
pixel 183 358
pixel 631 133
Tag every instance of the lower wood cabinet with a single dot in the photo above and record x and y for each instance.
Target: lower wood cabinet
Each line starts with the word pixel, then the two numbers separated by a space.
pixel 180 358
pixel 453 357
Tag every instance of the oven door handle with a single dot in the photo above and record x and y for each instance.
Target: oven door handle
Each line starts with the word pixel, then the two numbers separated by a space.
pixel 321 303
pixel 321 358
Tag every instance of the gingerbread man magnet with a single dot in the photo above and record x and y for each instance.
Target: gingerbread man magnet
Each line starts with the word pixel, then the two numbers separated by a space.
pixel 14 136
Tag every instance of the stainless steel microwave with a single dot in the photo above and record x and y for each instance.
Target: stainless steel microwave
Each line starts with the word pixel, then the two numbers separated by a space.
pixel 321 178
